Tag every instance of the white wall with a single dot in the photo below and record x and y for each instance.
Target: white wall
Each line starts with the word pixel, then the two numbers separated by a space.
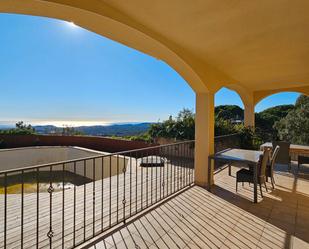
pixel 32 156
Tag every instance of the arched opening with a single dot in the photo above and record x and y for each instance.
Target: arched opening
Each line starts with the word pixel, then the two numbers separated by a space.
pixel 229 118
pixel 278 115
pixel 79 90
pixel 283 97
pixel 228 111
pixel 108 23
pixel 94 79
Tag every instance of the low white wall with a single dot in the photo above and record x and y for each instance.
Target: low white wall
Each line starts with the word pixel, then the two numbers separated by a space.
pixel 32 156
pixel 92 168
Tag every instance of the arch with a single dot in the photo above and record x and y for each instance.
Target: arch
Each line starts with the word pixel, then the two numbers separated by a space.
pixel 248 102
pixel 230 89
pixel 243 107
pixel 103 20
pixel 245 95
pixel 260 95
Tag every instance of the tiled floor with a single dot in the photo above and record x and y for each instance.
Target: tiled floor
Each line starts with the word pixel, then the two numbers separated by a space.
pixel 223 219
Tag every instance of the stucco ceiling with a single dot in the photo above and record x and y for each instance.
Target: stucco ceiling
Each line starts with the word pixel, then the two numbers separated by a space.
pixel 256 43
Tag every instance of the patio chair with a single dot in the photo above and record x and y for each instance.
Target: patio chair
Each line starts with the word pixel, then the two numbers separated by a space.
pixel 271 164
pixel 246 175
pixel 302 160
pixel 284 153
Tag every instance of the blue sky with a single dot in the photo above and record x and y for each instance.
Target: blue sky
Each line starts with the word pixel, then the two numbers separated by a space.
pixel 54 72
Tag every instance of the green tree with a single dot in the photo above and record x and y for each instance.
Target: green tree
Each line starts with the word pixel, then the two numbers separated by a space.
pixel 183 127
pixel 295 126
pixel 302 101
pixel 20 129
pixel 265 120
pixel 180 128
pixel 229 112
pixel 70 131
pixel 224 127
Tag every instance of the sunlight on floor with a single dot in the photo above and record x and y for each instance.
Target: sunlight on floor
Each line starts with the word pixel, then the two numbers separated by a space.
pixel 223 219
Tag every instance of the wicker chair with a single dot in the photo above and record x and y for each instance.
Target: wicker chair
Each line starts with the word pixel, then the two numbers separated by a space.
pixel 284 153
pixel 302 160
pixel 246 175
pixel 271 164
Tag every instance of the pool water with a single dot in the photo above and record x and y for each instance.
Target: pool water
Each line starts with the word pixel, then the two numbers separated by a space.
pixel 33 181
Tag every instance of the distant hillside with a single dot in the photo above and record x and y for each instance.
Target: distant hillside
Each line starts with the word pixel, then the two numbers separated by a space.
pixel 6 127
pixel 100 130
pixel 267 118
pixel 279 111
pixel 231 112
pixel 264 121
pixel 45 129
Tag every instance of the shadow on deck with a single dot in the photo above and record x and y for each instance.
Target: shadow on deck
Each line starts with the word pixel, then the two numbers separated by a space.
pixel 196 218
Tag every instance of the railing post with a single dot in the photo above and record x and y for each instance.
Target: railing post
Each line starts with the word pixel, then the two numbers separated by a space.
pixel 50 190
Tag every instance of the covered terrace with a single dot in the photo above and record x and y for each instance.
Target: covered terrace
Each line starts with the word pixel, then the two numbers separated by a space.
pixel 256 48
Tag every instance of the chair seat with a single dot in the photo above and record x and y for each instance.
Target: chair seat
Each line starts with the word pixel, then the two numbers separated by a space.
pixel 244 171
pixel 247 175
pixel 303 160
pixel 244 175
pixel 267 172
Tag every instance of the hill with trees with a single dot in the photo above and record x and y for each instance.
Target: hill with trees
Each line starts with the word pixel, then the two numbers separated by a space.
pixel 265 120
pixel 285 122
pixel 118 130
pixel 294 126
pixel 229 112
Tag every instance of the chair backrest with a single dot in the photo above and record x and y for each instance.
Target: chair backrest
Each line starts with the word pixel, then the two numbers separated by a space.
pixel 284 152
pixel 274 156
pixel 263 162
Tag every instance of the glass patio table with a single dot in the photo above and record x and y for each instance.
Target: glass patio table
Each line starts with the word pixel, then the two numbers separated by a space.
pixel 246 157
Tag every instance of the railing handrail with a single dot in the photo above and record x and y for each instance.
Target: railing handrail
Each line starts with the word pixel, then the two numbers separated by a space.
pixel 227 135
pixel 89 158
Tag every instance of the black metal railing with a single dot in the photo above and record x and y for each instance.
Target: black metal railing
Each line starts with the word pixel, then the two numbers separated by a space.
pixel 64 204
pixel 227 141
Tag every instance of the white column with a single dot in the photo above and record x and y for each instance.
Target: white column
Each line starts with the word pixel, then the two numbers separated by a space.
pixel 204 137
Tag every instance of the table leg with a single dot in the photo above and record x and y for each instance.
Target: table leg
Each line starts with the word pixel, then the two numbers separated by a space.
pixel 255 182
pixel 230 170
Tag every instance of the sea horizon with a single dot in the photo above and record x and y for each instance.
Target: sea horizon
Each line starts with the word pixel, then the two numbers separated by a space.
pixel 11 124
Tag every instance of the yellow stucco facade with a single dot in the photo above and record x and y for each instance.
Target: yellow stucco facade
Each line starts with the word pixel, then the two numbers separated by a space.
pixel 256 48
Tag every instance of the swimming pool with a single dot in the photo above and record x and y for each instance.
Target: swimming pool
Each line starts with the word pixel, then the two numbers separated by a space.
pixel 35 172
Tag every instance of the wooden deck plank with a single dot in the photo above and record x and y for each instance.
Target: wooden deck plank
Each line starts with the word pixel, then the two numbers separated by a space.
pixel 139 184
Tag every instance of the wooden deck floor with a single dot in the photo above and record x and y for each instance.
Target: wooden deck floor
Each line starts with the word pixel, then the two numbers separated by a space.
pixel 94 207
pixel 197 218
